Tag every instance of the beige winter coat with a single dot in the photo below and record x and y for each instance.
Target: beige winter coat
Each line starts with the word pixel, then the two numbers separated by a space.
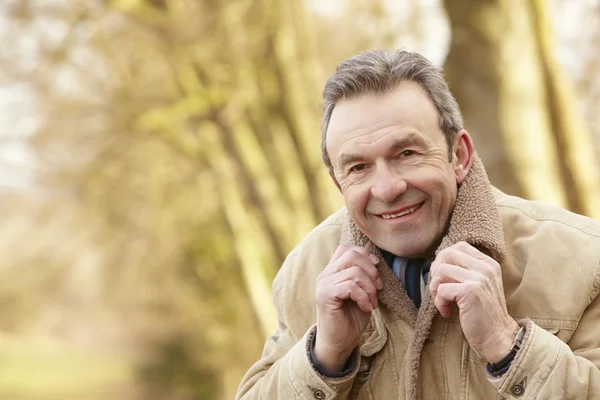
pixel 550 262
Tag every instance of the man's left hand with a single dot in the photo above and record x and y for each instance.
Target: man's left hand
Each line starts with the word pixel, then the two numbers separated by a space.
pixel 463 275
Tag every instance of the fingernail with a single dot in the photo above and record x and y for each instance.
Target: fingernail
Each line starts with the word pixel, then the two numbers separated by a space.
pixel 374 258
pixel 379 284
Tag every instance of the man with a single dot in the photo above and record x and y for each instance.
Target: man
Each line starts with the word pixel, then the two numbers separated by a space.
pixel 430 284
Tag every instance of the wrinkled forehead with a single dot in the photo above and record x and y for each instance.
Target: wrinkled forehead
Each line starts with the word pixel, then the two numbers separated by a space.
pixel 407 107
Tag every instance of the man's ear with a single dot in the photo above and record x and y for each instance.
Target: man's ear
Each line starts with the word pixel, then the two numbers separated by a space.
pixel 462 157
pixel 334 180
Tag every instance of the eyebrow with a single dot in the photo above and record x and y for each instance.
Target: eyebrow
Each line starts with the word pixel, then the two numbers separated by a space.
pixel 412 139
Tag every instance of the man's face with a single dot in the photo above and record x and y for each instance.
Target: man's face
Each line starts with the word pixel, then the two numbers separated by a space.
pixel 390 161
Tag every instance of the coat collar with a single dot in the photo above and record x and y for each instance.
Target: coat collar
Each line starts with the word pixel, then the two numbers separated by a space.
pixel 475 220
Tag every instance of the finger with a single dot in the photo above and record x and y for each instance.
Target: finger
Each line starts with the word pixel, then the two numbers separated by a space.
pixel 454 255
pixel 356 275
pixel 364 251
pixel 471 250
pixel 487 265
pixel 447 293
pixel 331 266
pixel 341 249
pixel 440 260
pixel 448 273
pixel 349 290
pixel 355 258
pixel 359 276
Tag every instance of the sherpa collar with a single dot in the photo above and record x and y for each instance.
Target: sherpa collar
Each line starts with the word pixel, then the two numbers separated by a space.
pixel 475 220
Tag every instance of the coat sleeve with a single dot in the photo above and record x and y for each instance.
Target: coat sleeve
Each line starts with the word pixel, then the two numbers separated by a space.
pixel 285 370
pixel 548 368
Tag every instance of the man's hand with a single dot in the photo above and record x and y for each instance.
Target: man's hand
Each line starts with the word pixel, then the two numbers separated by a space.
pixel 464 275
pixel 346 295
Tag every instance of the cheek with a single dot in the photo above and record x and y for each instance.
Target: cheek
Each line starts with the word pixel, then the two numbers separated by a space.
pixel 356 198
pixel 432 181
pixel 439 185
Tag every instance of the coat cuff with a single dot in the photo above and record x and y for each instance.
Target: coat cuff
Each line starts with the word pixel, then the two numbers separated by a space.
pixel 308 382
pixel 532 365
pixel 321 369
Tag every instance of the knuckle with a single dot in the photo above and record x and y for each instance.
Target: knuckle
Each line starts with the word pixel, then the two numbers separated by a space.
pixel 448 253
pixel 350 252
pixel 462 245
pixel 363 272
pixel 490 272
pixel 356 250
pixel 343 249
pixel 351 256
pixel 442 270
pixel 441 289
pixel 487 282
pixel 375 274
pixel 494 264
pixel 349 291
pixel 434 267
pixel 321 295
pixel 360 250
pixel 455 251
pixel 475 286
pixel 442 254
pixel 488 277
pixel 344 257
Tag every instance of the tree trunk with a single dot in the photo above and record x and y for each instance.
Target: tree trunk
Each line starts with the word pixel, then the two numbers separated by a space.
pixel 261 121
pixel 514 102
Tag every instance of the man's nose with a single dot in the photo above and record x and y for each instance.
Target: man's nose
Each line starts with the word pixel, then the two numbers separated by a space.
pixel 387 185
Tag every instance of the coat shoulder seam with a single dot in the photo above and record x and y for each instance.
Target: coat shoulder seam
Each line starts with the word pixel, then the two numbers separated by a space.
pixel 550 219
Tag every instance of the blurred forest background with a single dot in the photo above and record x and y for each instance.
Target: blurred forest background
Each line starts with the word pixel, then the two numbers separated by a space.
pixel 159 158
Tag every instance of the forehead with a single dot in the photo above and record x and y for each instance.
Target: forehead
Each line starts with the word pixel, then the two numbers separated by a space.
pixel 364 118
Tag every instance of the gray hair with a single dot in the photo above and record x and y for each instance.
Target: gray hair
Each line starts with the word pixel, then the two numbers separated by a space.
pixel 380 71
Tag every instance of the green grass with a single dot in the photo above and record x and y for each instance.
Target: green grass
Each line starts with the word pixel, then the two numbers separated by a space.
pixel 49 370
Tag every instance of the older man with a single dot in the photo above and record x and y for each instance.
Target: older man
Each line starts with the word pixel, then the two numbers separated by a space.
pixel 430 284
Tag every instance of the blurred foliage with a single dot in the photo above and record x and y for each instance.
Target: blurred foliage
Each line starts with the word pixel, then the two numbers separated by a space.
pixel 176 152
pixel 175 373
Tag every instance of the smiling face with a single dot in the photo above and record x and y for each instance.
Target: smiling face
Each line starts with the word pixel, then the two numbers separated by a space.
pixel 390 161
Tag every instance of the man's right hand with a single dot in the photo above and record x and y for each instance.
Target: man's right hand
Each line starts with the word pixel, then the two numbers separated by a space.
pixel 346 295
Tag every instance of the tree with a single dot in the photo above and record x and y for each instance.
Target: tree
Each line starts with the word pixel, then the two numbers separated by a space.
pixel 518 105
pixel 198 161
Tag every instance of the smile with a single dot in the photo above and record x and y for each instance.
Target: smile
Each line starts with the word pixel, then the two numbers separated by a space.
pixel 401 213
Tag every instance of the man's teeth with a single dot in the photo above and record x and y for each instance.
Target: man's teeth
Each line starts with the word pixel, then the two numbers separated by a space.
pixel 390 216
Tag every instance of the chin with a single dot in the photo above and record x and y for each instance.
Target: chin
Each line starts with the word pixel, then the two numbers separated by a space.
pixel 413 253
pixel 412 250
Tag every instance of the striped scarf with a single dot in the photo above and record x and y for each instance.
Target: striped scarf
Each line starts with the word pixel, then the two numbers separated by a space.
pixel 413 273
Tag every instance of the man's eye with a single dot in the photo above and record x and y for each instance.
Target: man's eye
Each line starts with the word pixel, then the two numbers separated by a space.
pixel 358 167
pixel 406 153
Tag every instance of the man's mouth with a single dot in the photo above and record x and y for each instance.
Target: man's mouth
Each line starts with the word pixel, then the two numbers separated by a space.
pixel 401 213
